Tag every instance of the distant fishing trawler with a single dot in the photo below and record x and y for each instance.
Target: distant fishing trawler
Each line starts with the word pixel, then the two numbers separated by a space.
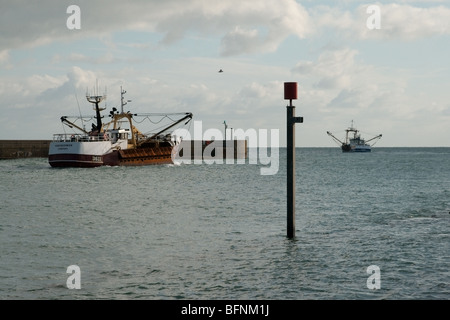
pixel 116 143
pixel 354 143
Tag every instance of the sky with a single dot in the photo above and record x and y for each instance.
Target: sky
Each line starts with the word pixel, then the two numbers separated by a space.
pixel 385 65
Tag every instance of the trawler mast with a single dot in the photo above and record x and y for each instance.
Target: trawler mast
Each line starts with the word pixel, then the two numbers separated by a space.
pixel 96 100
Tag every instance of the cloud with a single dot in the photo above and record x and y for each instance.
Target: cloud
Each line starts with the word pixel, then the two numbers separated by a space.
pixel 264 24
pixel 4 56
pixel 45 91
pixel 5 59
pixel 77 80
pixel 402 22
pixel 333 70
pixel 340 83
pixel 405 22
pixel 240 40
pixel 269 23
pixel 244 26
pixel 104 59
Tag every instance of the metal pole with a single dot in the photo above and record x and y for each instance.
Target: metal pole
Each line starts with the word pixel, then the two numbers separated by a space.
pixel 225 129
pixel 290 93
pixel 290 145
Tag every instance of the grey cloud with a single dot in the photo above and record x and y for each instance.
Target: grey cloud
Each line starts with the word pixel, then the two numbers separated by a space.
pixel 244 26
pixel 31 23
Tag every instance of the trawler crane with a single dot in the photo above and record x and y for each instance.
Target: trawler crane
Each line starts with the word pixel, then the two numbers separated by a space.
pixel 187 116
pixel 377 137
pixel 335 139
pixel 70 124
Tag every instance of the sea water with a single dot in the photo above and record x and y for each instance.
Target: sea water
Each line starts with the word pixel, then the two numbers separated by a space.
pixel 218 231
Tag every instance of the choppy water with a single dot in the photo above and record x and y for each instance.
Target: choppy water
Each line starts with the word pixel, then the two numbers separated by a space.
pixel 219 231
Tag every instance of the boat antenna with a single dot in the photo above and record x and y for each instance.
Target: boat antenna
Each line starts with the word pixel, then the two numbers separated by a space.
pixel 105 95
pixel 79 110
pixel 122 102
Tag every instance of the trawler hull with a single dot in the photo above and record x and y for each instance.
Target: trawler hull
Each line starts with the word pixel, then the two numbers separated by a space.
pixel 72 160
pixel 64 155
pixel 357 148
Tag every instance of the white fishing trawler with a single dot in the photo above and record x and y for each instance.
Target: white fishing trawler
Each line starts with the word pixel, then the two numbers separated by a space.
pixel 353 141
pixel 115 143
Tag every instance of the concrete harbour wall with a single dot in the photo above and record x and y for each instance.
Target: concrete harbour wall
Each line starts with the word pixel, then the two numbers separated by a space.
pixel 13 149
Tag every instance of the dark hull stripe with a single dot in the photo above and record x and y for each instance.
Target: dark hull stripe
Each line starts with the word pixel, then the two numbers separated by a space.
pixel 111 159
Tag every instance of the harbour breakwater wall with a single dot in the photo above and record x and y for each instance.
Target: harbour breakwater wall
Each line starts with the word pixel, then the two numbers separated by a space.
pixel 13 149
pixel 226 149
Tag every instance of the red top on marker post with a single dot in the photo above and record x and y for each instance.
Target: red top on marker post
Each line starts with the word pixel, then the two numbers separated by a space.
pixel 290 91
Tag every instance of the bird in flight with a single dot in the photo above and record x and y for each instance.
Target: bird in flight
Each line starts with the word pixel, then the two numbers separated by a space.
pixel 220 70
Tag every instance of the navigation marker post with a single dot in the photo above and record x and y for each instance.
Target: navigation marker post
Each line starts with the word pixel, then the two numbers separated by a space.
pixel 290 93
